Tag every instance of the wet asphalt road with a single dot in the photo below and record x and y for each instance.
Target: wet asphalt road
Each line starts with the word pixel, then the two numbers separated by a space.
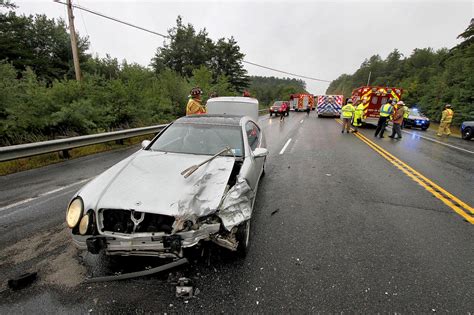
pixel 336 228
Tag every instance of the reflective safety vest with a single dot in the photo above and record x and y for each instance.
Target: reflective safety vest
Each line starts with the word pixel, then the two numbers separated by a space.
pixel 194 107
pixel 447 115
pixel 386 110
pixel 347 111
pixel 406 112
pixel 359 112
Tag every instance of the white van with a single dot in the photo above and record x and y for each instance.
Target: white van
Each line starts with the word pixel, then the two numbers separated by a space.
pixel 233 105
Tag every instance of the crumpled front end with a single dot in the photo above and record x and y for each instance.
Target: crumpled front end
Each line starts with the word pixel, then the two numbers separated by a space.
pixel 129 232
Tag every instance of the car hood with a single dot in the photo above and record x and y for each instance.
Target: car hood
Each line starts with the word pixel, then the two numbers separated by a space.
pixel 152 182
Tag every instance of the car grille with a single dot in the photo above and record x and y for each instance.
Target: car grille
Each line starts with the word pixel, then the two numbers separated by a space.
pixel 120 221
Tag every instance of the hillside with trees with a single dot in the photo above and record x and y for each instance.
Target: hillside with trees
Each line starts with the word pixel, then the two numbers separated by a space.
pixel 429 78
pixel 41 100
pixel 270 89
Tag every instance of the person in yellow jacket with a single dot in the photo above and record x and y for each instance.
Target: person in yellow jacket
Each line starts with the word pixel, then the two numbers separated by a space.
pixel 445 123
pixel 194 106
pixel 358 114
pixel 386 110
pixel 406 113
pixel 347 111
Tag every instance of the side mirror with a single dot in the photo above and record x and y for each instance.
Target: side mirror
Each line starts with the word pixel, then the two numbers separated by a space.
pixel 145 143
pixel 260 152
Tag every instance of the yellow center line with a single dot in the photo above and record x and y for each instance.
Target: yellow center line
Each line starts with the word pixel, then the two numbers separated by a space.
pixel 446 197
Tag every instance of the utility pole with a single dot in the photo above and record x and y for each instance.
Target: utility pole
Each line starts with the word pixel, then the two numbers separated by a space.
pixel 72 34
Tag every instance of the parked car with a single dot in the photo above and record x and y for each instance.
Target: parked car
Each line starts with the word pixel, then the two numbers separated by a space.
pixel 417 120
pixel 467 130
pixel 279 108
pixel 196 181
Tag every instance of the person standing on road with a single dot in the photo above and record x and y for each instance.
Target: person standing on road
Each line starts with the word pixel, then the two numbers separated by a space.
pixel 446 119
pixel 194 106
pixel 308 109
pixel 283 110
pixel 406 113
pixel 385 111
pixel 347 112
pixel 358 113
pixel 397 121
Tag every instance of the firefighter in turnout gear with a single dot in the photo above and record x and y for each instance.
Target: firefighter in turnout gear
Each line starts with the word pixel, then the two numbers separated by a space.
pixel 406 113
pixel 397 121
pixel 445 123
pixel 347 112
pixel 385 111
pixel 358 114
pixel 194 106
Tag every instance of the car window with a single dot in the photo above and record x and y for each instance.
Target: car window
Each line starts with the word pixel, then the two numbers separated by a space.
pixel 203 139
pixel 253 134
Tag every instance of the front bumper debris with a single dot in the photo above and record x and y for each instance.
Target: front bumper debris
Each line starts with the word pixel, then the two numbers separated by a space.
pixel 137 274
pixel 145 244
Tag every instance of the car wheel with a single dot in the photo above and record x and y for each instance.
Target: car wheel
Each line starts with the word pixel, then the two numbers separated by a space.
pixel 424 128
pixel 270 114
pixel 467 133
pixel 243 237
pixel 319 115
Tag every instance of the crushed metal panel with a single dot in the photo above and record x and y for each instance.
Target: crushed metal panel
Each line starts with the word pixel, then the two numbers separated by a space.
pixel 152 182
pixel 236 206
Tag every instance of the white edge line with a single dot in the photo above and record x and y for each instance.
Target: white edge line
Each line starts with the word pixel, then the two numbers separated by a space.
pixel 434 140
pixel 285 146
pixel 42 195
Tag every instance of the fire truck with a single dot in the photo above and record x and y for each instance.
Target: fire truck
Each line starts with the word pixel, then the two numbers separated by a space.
pixel 299 102
pixel 329 105
pixel 373 97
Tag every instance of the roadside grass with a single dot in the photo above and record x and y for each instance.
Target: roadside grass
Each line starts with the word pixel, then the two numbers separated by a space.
pixel 455 130
pixel 14 166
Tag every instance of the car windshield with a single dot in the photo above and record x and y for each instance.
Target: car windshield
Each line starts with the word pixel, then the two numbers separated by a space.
pixel 416 112
pixel 203 139
pixel 277 104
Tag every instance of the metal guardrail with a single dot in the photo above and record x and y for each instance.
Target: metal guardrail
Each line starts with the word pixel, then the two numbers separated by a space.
pixel 19 151
pixel 61 145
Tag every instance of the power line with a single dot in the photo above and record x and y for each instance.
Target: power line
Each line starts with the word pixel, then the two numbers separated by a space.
pixel 281 71
pixel 165 36
pixel 113 19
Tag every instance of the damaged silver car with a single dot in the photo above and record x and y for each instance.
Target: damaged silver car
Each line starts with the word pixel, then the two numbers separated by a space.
pixel 196 181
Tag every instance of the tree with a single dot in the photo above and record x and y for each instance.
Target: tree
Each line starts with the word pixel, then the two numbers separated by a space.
pixel 189 50
pixel 227 61
pixel 39 43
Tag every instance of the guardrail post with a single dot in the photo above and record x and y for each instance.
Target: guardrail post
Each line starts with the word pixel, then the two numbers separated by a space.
pixel 119 141
pixel 64 154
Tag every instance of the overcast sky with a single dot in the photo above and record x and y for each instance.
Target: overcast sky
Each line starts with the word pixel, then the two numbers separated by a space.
pixel 321 39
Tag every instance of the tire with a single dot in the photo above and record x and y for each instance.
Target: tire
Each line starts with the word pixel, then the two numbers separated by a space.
pixel 424 128
pixel 270 114
pixel 319 115
pixel 243 237
pixel 467 133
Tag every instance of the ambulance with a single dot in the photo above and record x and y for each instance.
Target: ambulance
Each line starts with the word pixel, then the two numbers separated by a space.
pixel 329 105
pixel 373 97
pixel 299 102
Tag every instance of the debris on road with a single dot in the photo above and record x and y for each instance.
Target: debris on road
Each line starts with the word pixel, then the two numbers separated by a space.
pixel 275 211
pixel 328 175
pixel 148 272
pixel 22 281
pixel 184 288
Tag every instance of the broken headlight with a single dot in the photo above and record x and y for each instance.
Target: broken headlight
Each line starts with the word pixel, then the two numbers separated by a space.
pixel 74 212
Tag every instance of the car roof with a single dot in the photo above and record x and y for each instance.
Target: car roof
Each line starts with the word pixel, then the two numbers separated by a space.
pixel 228 120
pixel 234 99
